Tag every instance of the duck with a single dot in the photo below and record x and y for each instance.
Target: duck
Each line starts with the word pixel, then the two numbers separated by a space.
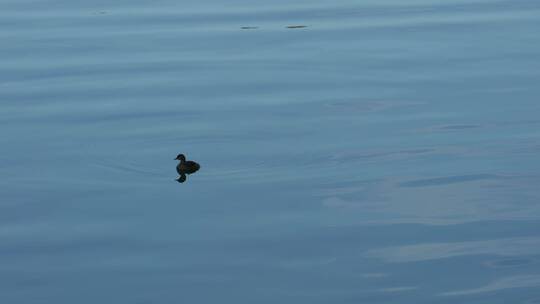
pixel 185 167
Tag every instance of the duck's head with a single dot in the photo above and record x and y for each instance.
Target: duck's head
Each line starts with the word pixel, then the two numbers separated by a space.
pixel 181 157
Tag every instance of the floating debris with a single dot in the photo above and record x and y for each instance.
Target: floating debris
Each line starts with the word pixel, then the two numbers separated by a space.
pixel 296 26
pixel 510 262
pixel 249 27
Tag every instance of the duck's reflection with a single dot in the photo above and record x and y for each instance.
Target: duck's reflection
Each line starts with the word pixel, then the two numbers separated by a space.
pixel 185 167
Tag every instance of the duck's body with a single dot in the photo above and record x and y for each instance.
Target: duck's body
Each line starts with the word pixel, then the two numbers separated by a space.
pixel 185 167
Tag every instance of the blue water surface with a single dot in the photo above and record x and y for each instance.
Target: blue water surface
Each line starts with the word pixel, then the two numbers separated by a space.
pixel 352 151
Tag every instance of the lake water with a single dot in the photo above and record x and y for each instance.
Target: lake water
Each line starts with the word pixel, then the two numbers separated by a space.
pixel 376 152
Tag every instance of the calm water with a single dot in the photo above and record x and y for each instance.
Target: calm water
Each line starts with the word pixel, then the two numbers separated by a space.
pixel 389 152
